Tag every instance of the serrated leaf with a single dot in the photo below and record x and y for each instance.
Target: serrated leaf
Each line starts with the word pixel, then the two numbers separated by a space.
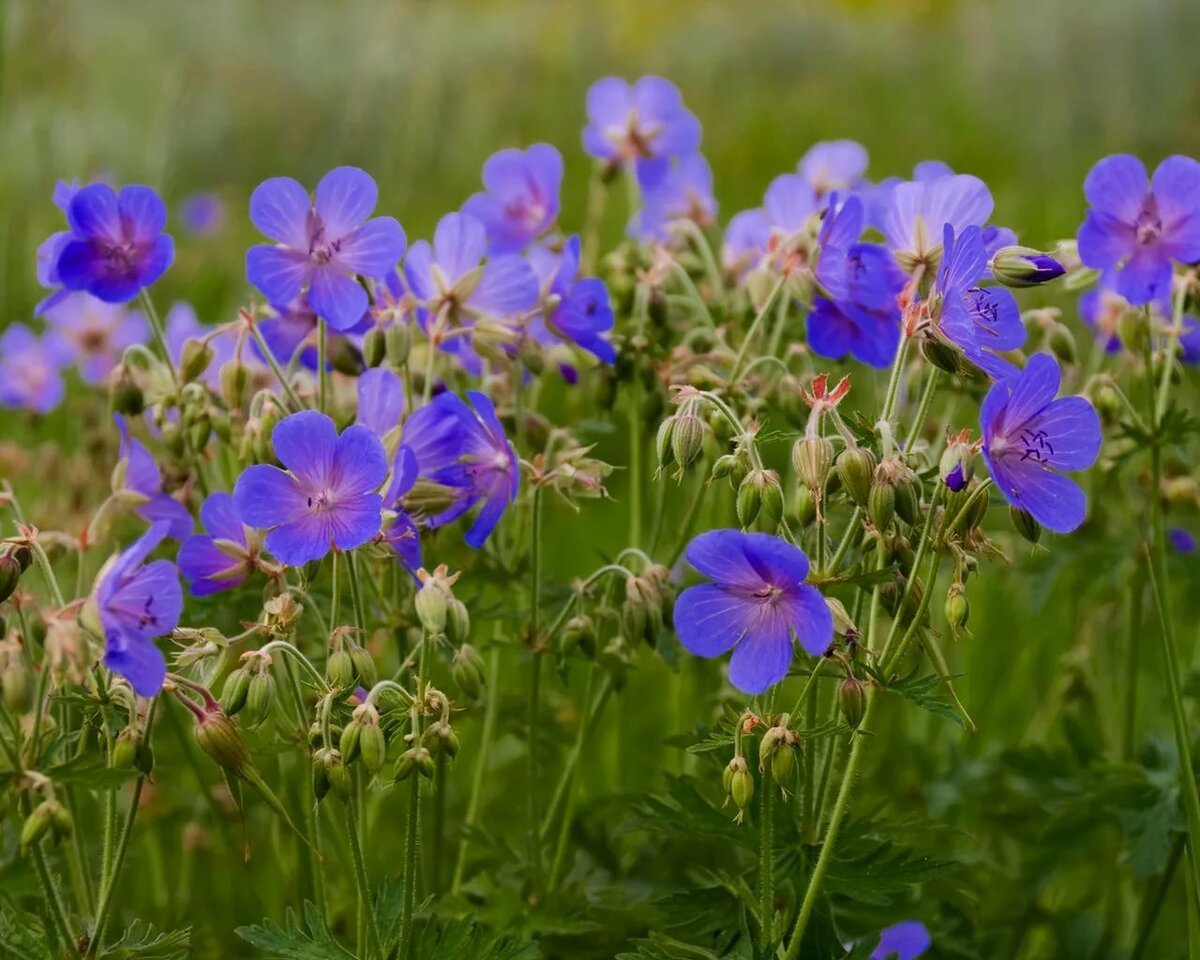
pixel 310 940
pixel 141 941
pixel 928 693
pixel 467 939
pixel 22 935
pixel 91 771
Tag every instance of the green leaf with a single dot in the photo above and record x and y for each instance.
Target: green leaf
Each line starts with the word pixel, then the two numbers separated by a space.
pixel 141 941
pixel 90 770
pixel 467 939
pixel 22 936
pixel 295 941
pixel 928 693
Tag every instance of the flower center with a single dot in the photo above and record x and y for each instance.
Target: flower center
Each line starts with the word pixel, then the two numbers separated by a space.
pixel 768 593
pixel 321 501
pixel 1148 225
pixel 121 258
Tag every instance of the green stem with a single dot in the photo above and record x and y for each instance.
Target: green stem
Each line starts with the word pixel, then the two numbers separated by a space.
pixel 1133 647
pixel 481 762
pixel 922 547
pixel 54 903
pixel 284 382
pixel 840 554
pixel 766 863
pixel 412 831
pixel 923 409
pixel 635 463
pixel 753 331
pixel 366 905
pixel 159 334
pixel 356 591
pixel 534 787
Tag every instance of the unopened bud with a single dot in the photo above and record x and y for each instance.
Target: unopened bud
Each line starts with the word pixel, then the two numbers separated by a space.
pixel 194 358
pixel 235 382
pixel 1025 525
pixel 852 700
pixel 940 354
pixel 467 671
pixel 812 459
pixel 724 466
pixel 349 743
pixel 881 504
pixel 908 501
pixel 374 347
pixel 221 739
pixel 364 666
pixel 373 747
pixel 855 468
pixel 339 670
pixel 432 607
pixel 664 442
pixel 687 438
pixel 958 610
pixel 125 396
pixel 235 690
pixel 398 341
pixel 10 575
pixel 259 697
pixel 458 621
pixel 1024 267
pixel 124 752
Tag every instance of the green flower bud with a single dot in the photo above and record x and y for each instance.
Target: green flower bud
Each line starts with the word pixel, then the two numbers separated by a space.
pixel 124 752
pixel 908 502
pixel 221 739
pixel 749 501
pixel 235 383
pixel 467 670
pixel 18 688
pixel 741 788
pixel 881 505
pixel 336 773
pixel 957 610
pixel 432 607
pixel 259 697
pixel 804 506
pixel 416 759
pixel 812 459
pixel 783 764
pixel 373 747
pixel 125 396
pixel 979 508
pixel 37 824
pixel 364 666
pixel 344 357
pixel 458 621
pixel 1024 267
pixel 374 347
pixel 194 358
pixel 1133 327
pixel 339 670
pixel 940 354
pixel 852 700
pixel 1025 525
pixel 663 442
pixel 349 743
pixel 855 468
pixel 235 690
pixel 1062 344
pixel 724 466
pixel 10 575
pixel 398 343
pixel 320 777
pixel 687 438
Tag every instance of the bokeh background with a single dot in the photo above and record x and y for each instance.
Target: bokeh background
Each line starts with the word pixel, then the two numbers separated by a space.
pixel 217 95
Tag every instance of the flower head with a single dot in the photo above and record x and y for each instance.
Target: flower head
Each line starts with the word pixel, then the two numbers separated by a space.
pixel 834 165
pixel 380 400
pixel 465 449
pixel 292 331
pixel 31 369
pixel 1139 225
pixel 326 498
pixel 202 213
pixel 322 242
pixel 143 480
pixel 224 556
pixel 757 601
pixel 685 192
pixel 137 602
pixel 644 123
pixel 916 212
pixel 1029 436
pixel 521 198
pixel 578 308
pixel 116 245
pixel 97 332
pixel 906 940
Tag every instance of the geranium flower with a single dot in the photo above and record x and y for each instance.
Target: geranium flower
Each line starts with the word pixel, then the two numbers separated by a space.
pixel 142 478
pixel 757 602
pixel 685 192
pixel 224 556
pixel 906 940
pixel 580 312
pixel 31 369
pixel 644 124
pixel 917 211
pixel 1029 436
pixel 521 202
pixel 834 165
pixel 97 332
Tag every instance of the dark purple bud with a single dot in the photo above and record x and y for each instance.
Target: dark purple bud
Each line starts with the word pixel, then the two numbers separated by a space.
pixel 955 479
pixel 1024 267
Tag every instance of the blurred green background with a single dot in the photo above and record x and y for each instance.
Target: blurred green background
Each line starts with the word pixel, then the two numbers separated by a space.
pixel 1024 93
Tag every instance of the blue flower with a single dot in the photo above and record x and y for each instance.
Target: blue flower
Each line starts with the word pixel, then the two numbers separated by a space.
pixel 757 601
pixel 834 165
pixel 224 556
pixel 644 124
pixel 454 287
pixel 1139 226
pixel 578 309
pixel 859 314
pixel 322 242
pixel 1182 541
pixel 981 321
pixel 142 479
pixel 916 212
pixel 116 245
pixel 399 529
pixel 380 400
pixel 685 192
pixel 136 603
pixel 906 940
pixel 464 448
pixel 50 249
pixel 1029 436
pixel 328 496
pixel 292 332
pixel 97 332
pixel 31 369
pixel 746 237
pixel 202 213
pixel 521 202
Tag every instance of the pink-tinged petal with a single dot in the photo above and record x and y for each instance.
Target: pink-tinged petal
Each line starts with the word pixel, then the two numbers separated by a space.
pixel 278 272
pixel 720 555
pixel 507 287
pixel 359 463
pixel 762 659
pixel 265 497
pixel 710 620
pixel 345 197
pixel 459 244
pixel 279 207
pixel 961 200
pixel 1117 186
pixel 94 212
pixel 305 443
pixel 143 213
pixel 337 297
pixel 373 249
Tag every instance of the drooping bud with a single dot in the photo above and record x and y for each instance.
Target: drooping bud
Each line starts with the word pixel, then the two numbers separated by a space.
pixel 458 621
pixel 760 497
pixel 1025 525
pixel 664 442
pixel 852 701
pixel 414 759
pixel 399 342
pixel 194 358
pixel 741 784
pixel 235 691
pixel 812 459
pixel 1062 343
pixel 10 575
pixel 957 610
pixel 349 741
pixel 955 468
pixel 1017 266
pixel 855 468
pixel 125 396
pixel 259 696
pixel 724 466
pixel 940 354
pixel 124 752
pixel 235 382
pixel 39 823
pixel 364 666
pixel 908 500
pixel 433 598
pixel 339 670
pixel 881 504
pixel 220 737
pixel 687 437
pixel 467 670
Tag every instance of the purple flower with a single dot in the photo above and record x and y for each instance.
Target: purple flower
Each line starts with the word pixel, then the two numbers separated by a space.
pixel 685 192
pixel 906 940
pixel 745 242
pixel 138 602
pixel 981 321
pixel 1189 341
pixel 465 449
pixel 292 333
pixel 917 211
pixel 399 529
pixel 51 248
pixel 454 286
pixel 578 309
pixel 859 314
pixel 97 332
pixel 1029 436
pixel 380 400
pixel 322 242
pixel 224 556
pixel 834 165
pixel 1181 540
pixel 789 202
pixel 326 499
pixel 757 601
pixel 644 124
pixel 31 369
pixel 116 246
pixel 1139 226
pixel 521 202
pixel 142 479
pixel 202 213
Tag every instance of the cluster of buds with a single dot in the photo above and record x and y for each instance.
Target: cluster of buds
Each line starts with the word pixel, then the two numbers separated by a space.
pixel 739 784
pixel 895 492
pixel 329 773
pixel 440 612
pixel 250 687
pixel 349 665
pixel 363 736
pixel 777 752
pixel 265 413
pixel 760 499
pixel 579 633
pixel 648 603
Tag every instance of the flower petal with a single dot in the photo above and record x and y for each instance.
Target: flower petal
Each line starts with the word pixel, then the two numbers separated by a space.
pixel 265 497
pixel 142 211
pixel 337 297
pixel 1117 186
pixel 138 661
pixel 508 286
pixel 380 400
pixel 710 620
pixel 345 197
pixel 356 521
pixel 359 463
pixel 373 249
pixel 278 272
pixel 308 537
pixel 220 517
pixel 1072 433
pixel 775 560
pixel 809 617
pixel 459 244
pixel 1056 502
pixel 279 207
pixel 762 659
pixel 305 443
pixel 94 212
pixel 720 555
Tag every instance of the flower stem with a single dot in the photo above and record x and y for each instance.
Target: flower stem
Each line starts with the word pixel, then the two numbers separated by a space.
pixel 54 903
pixel 159 334
pixel 412 836
pixel 284 382
pixel 535 690
pixel 923 409
pixel 766 863
pixel 374 946
pixel 753 331
pixel 485 743
pixel 889 403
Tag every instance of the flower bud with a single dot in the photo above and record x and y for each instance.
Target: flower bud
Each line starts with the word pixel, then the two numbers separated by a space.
pixel 374 347
pixel 221 739
pixel 10 575
pixel 908 501
pixel 957 610
pixel 398 342
pixel 458 621
pixel 812 459
pixel 855 468
pixel 749 501
pixel 741 784
pixel 349 742
pixel 1062 344
pixel 664 442
pixel 373 747
pixel 194 358
pixel 724 466
pixel 125 396
pixel 439 737
pixel 843 626
pixel 339 670
pixel 124 752
pixel 940 354
pixel 467 670
pixel 432 607
pixel 1025 525
pixel 329 773
pixel 687 437
pixel 17 687
pixel 881 504
pixel 235 690
pixel 235 383
pixel 1024 267
pixel 259 695
pixel 364 666
pixel 39 823
pixel 783 764
pixel 978 509
pixel 416 759
pixel 852 700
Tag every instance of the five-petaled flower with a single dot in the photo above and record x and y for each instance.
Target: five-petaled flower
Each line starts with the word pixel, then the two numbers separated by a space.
pixel 644 124
pixel 224 556
pixel 322 242
pixel 1029 436
pixel 134 603
pixel 521 202
pixel 755 604
pixel 31 369
pixel 1139 225
pixel 327 498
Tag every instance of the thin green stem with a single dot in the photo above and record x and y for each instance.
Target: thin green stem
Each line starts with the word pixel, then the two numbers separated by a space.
pixel 889 402
pixel 636 426
pixel 412 836
pixel 740 360
pixel 766 862
pixel 356 596
pixel 566 778
pixel 839 554
pixel 269 356
pixel 374 946
pixel 54 902
pixel 927 393
pixel 910 583
pixel 1133 648
pixel 160 337
pixel 485 743
pixel 534 786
